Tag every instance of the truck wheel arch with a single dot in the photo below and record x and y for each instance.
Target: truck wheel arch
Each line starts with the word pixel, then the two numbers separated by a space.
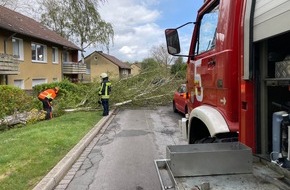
pixel 205 121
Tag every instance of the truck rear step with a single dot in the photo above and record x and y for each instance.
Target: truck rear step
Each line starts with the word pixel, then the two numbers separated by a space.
pixel 165 175
pixel 206 167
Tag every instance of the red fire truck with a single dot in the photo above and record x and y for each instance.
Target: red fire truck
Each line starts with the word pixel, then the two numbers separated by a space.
pixel 238 83
pixel 238 71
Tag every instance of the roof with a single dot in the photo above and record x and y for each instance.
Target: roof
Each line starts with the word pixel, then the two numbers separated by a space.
pixel 113 59
pixel 18 23
pixel 137 64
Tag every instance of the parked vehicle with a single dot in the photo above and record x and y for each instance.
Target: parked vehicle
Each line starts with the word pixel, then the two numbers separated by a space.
pixel 180 99
pixel 238 79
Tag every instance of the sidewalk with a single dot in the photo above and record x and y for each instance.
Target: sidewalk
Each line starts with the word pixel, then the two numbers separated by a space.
pixel 58 172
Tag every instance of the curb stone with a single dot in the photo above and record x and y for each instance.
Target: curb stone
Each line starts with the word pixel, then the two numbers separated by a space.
pixel 58 172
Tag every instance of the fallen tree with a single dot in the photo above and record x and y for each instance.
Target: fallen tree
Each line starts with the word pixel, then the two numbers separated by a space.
pixel 22 118
pixel 151 87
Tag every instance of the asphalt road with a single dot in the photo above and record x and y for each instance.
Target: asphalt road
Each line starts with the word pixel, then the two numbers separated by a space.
pixel 121 157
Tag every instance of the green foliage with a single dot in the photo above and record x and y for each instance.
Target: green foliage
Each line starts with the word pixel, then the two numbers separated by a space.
pixel 78 20
pixel 149 63
pixel 152 87
pixel 91 96
pixel 179 68
pixel 68 96
pixel 14 99
pixel 64 85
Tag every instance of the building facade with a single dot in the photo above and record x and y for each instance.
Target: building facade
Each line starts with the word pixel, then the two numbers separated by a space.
pixel 99 62
pixel 32 54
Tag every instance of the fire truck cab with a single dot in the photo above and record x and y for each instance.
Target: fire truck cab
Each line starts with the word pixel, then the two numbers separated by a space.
pixel 238 74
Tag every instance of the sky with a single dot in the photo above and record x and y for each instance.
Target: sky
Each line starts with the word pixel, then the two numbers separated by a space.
pixel 139 24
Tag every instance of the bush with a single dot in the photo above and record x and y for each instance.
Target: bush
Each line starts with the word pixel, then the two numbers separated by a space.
pixel 65 86
pixel 70 95
pixel 14 99
pixel 67 95
pixel 179 69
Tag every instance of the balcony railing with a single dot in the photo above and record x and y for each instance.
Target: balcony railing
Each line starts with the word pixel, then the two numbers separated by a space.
pixel 73 68
pixel 9 64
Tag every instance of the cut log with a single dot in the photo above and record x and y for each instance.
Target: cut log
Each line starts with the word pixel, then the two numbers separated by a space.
pixel 23 118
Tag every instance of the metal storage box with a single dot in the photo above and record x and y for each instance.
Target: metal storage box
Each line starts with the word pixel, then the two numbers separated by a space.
pixel 209 159
pixel 282 69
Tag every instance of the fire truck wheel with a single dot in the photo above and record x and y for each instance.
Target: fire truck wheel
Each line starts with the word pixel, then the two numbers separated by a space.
pixel 216 140
pixel 206 140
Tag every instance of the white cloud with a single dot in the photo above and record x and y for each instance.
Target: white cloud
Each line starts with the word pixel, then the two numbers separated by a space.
pixel 136 24
pixel 129 50
pixel 135 28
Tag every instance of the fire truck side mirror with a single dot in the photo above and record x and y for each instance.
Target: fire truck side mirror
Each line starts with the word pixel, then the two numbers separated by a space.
pixel 172 41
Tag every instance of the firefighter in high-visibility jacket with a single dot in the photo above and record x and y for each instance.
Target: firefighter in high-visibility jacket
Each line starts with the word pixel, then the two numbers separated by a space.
pixel 104 92
pixel 46 98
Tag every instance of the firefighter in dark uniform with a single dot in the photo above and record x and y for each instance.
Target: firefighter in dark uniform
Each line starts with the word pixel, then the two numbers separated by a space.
pixel 104 92
pixel 46 98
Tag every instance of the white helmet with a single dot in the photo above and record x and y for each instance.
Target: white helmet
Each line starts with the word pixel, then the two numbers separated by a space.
pixel 104 75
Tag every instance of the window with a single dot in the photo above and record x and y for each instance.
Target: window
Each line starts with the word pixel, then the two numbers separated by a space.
pixel 19 83
pixel 38 81
pixel 66 56
pixel 38 52
pixel 54 55
pixel 124 72
pixel 88 68
pixel 18 48
pixel 207 31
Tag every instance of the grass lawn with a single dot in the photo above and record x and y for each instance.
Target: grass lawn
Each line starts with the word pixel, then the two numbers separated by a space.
pixel 27 154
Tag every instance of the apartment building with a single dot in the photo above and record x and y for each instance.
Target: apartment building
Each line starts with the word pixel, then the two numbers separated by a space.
pixel 32 54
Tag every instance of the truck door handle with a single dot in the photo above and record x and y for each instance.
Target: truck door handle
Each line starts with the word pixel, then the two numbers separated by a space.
pixel 211 64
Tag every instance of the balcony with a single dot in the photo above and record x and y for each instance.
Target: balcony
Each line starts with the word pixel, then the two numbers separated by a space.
pixel 9 65
pixel 73 68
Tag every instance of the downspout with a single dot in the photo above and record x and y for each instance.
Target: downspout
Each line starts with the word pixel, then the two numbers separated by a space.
pixel 61 62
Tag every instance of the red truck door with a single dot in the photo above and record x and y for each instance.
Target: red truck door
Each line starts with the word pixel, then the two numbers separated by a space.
pixel 215 60
pixel 202 80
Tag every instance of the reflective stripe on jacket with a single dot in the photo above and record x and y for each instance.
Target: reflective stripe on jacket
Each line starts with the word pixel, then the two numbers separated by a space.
pixel 49 94
pixel 105 90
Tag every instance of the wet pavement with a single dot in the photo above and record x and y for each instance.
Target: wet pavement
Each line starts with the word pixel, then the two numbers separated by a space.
pixel 122 154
